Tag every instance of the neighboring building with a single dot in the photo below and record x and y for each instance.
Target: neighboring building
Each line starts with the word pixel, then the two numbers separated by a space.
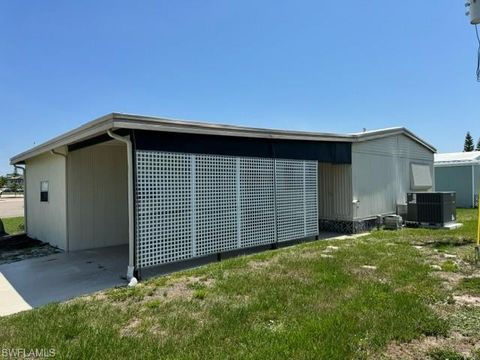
pixel 176 190
pixel 459 172
pixel 14 179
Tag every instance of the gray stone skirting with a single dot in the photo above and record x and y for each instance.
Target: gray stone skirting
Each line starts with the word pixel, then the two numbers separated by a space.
pixel 347 227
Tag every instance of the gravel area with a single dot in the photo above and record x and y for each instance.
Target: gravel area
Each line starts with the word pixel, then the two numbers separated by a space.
pixel 21 247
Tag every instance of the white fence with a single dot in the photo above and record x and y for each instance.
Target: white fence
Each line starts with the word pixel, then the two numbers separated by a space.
pixel 194 205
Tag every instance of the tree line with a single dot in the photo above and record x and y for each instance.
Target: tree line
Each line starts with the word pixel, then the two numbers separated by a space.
pixel 469 145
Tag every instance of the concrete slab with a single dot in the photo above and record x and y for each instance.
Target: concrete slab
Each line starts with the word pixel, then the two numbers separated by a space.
pixel 449 226
pixel 11 207
pixel 59 277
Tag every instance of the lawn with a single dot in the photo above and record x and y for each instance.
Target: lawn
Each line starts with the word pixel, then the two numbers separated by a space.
pixel 404 294
pixel 13 225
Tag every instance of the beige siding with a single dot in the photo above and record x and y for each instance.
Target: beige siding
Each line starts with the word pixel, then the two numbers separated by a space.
pixel 46 220
pixel 97 196
pixel 381 173
pixel 334 191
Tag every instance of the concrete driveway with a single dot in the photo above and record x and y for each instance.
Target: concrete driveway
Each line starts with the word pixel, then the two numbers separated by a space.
pixel 11 207
pixel 59 277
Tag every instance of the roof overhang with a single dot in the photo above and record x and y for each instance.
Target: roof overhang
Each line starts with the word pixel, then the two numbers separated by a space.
pixel 115 121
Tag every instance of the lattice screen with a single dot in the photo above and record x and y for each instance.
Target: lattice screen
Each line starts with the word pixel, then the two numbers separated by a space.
pixel 164 216
pixel 290 199
pixel 216 204
pixel 194 205
pixel 257 201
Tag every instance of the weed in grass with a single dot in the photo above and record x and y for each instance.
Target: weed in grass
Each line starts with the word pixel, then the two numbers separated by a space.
pixel 126 293
pixel 470 286
pixel 465 320
pixel 449 266
pixel 154 304
pixel 445 354
pixel 200 294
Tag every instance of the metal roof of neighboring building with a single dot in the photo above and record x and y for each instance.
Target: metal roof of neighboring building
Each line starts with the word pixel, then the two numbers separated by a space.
pixel 115 121
pixel 457 158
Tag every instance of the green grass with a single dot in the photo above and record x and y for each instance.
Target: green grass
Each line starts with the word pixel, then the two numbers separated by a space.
pixel 289 303
pixel 13 225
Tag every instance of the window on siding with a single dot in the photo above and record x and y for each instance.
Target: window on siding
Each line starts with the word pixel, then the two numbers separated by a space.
pixel 44 191
pixel 421 178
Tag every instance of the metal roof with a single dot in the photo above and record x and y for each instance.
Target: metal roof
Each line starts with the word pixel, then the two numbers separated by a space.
pixel 457 158
pixel 129 121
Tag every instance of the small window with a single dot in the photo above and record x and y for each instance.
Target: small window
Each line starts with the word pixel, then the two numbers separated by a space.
pixel 44 191
pixel 421 177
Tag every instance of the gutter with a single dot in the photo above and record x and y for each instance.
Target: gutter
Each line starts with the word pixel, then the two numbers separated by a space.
pixel 131 233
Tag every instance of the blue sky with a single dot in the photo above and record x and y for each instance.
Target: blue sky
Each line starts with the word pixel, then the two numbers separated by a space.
pixel 308 65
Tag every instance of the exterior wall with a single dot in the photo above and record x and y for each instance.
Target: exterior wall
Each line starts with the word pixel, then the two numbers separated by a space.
pixel 335 191
pixel 458 179
pixel 381 173
pixel 97 196
pixel 46 221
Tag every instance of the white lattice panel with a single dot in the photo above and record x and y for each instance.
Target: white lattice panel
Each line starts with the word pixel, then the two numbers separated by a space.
pixel 311 198
pixel 164 224
pixel 290 202
pixel 257 199
pixel 215 204
pixel 194 205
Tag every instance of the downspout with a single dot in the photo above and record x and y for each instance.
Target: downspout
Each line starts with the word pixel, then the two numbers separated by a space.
pixel 473 187
pixel 24 171
pixel 67 242
pixel 131 234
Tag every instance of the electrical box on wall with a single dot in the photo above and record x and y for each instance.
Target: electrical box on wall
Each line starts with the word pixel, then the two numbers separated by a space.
pixel 474 11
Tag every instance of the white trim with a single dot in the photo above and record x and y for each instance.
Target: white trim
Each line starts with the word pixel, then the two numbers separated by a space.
pixel 458 163
pixel 131 204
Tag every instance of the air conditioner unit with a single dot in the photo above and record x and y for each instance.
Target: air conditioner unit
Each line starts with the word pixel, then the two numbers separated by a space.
pixel 431 208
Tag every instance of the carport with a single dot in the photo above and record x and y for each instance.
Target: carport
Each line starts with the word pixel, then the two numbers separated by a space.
pixel 174 190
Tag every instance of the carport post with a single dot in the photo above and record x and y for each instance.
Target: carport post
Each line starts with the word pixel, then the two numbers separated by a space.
pixel 131 233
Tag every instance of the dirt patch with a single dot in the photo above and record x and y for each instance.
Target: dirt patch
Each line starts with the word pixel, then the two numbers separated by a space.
pixel 137 328
pixel 131 328
pixel 183 288
pixel 450 279
pixel 467 300
pixel 262 264
pixel 419 348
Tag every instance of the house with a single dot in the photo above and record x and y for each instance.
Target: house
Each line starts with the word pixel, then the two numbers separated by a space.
pixel 14 180
pixel 176 190
pixel 459 172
